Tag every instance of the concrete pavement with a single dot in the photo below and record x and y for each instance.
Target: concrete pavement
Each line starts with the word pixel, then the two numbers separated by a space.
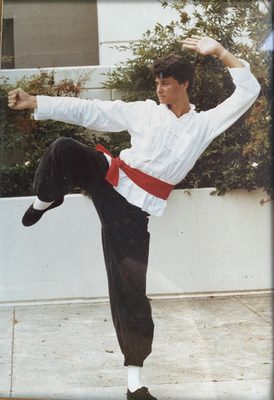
pixel 205 348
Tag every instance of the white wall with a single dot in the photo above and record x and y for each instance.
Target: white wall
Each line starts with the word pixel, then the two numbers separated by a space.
pixel 202 244
pixel 121 21
pixel 93 86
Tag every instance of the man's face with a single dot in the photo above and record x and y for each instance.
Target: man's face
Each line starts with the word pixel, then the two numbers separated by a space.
pixel 169 91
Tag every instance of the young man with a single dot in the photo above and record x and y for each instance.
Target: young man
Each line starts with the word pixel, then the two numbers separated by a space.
pixel 166 141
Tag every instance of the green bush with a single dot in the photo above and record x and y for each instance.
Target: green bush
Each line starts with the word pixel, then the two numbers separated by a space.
pixel 241 157
pixel 24 140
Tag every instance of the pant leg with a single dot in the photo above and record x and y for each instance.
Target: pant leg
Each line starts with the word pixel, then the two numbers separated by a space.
pixel 126 246
pixel 68 164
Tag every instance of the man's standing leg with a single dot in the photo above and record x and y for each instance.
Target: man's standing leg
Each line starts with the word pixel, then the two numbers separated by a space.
pixel 125 239
pixel 126 254
pixel 126 251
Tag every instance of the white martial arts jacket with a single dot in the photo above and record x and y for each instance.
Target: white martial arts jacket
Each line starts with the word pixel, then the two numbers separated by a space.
pixel 162 145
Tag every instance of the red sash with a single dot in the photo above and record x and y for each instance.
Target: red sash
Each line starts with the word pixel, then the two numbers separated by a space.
pixel 152 185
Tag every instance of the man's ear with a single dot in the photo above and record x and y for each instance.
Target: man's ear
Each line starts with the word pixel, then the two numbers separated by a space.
pixel 185 84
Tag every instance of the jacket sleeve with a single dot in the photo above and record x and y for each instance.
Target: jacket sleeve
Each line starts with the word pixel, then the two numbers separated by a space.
pixel 114 116
pixel 220 118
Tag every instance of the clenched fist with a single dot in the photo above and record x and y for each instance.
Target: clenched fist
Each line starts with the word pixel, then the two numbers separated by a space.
pixel 18 99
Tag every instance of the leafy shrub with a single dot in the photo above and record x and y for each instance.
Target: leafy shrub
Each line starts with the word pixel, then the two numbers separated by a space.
pixel 24 140
pixel 241 157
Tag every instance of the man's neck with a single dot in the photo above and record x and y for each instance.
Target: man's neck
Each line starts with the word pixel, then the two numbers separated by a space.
pixel 179 109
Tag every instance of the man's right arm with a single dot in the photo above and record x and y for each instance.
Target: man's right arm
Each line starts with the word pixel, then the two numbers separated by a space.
pixel 101 115
pixel 95 114
pixel 18 99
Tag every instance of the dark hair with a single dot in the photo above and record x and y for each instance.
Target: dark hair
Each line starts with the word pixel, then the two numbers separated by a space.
pixel 175 66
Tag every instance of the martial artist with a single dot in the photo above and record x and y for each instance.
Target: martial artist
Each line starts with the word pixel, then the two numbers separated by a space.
pixel 166 140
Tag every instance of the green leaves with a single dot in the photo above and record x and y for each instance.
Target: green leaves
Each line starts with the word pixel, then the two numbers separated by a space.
pixel 24 140
pixel 240 158
pixel 241 26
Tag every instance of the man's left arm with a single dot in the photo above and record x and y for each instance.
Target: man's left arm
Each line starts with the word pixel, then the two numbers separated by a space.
pixel 208 46
pixel 218 119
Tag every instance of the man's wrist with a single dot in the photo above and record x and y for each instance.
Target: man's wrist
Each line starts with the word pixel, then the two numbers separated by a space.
pixel 221 52
pixel 33 102
pixel 228 59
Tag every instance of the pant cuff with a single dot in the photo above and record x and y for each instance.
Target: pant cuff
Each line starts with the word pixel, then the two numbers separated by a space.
pixel 135 363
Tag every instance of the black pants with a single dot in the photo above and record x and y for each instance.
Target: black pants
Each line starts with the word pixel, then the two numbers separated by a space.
pixel 68 164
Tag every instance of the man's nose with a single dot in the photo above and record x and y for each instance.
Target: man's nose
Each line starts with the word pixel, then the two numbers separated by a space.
pixel 159 89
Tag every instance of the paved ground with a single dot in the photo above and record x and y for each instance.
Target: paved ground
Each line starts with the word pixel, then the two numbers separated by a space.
pixel 205 348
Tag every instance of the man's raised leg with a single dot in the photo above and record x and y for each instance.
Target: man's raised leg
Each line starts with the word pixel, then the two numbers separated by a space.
pixel 65 165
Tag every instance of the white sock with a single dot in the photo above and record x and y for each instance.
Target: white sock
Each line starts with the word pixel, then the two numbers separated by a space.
pixel 41 205
pixel 134 378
